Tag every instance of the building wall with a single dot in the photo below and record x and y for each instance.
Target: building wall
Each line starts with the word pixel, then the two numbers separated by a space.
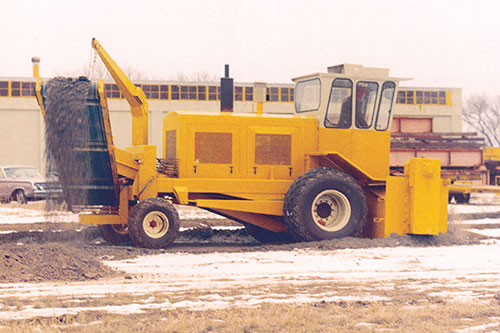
pixel 446 113
pixel 22 128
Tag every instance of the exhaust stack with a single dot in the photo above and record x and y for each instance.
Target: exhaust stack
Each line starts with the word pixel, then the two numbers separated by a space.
pixel 226 91
pixel 36 66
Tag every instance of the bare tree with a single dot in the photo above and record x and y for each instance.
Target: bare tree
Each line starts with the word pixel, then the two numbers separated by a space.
pixel 482 113
pixel 197 77
pixel 96 70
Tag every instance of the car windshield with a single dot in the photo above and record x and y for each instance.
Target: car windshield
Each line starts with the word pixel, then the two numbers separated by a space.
pixel 22 173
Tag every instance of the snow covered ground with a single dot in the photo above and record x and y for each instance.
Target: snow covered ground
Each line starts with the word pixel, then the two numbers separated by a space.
pixel 218 280
pixel 13 214
pixel 223 280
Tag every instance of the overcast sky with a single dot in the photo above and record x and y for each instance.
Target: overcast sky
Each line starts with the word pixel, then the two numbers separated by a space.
pixel 437 43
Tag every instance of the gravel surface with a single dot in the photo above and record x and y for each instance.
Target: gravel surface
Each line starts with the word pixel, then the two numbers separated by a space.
pixel 75 253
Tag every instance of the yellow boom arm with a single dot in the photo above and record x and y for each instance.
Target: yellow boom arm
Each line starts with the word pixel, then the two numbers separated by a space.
pixel 134 96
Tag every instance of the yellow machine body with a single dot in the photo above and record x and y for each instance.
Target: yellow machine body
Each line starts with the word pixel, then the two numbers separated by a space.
pixel 242 165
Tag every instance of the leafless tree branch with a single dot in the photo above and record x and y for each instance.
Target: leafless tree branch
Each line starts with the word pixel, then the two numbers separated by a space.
pixel 482 113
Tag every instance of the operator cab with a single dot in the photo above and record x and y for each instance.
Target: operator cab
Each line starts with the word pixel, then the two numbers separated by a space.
pixel 348 96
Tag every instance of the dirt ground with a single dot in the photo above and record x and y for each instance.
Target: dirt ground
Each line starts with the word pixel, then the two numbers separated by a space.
pixel 58 275
pixel 73 252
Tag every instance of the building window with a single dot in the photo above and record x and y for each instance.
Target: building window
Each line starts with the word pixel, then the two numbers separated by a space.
pixel 238 93
pixel 272 94
pixel 164 91
pixel 175 92
pixel 420 97
pixel 151 91
pixel 285 94
pixel 406 97
pixel 410 97
pixel 27 89
pixel 401 97
pixel 248 93
pixel 189 92
pixel 112 90
pixel 184 92
pixel 213 93
pixel 154 91
pixel 434 97
pixel 4 88
pixel 15 88
pixel 427 97
pixel 192 92
pixel 202 93
pixel 442 97
pixel 147 90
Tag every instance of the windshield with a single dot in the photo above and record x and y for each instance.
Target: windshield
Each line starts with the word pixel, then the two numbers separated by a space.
pixel 22 173
pixel 339 111
pixel 307 95
pixel 366 95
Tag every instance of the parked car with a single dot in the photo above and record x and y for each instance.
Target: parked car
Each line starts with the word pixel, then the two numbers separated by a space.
pixel 23 184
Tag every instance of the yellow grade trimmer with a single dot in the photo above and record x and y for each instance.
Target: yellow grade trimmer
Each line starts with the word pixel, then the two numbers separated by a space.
pixel 321 173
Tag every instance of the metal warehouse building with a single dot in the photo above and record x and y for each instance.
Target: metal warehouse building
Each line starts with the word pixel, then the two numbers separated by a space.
pixel 22 128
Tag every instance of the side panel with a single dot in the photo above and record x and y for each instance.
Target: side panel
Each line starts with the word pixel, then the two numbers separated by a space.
pixel 417 203
pixel 238 147
pixel 369 150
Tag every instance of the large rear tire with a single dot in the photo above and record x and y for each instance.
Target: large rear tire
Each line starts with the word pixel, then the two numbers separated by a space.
pixel 114 233
pixel 324 204
pixel 153 223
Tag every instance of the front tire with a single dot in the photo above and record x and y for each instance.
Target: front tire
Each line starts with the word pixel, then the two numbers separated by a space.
pixel 324 204
pixel 153 223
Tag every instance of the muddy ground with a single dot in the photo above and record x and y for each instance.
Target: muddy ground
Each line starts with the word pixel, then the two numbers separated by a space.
pixel 48 251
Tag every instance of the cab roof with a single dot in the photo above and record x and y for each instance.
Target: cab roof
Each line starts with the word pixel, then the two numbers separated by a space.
pixel 353 71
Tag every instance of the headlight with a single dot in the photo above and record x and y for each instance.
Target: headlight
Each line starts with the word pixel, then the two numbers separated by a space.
pixel 38 186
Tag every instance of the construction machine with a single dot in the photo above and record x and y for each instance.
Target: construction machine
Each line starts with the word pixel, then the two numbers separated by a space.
pixel 321 173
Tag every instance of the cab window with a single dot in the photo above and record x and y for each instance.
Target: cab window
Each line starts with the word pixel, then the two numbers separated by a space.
pixel 307 95
pixel 366 97
pixel 385 106
pixel 339 112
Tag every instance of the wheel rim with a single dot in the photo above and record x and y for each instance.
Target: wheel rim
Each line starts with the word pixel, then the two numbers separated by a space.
pixel 121 229
pixel 156 224
pixel 331 210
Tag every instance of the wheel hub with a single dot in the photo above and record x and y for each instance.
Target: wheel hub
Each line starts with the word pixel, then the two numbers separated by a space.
pixel 156 224
pixel 331 210
pixel 324 209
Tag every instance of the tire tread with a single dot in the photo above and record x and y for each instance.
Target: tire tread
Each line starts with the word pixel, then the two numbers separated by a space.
pixel 139 211
pixel 303 184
